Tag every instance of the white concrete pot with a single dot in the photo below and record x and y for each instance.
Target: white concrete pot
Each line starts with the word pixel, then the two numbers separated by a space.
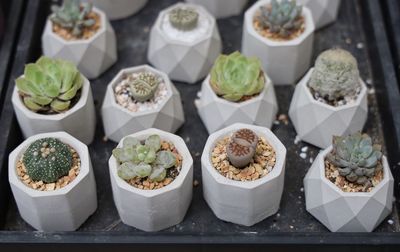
pixel 316 122
pixel 154 210
pixel 346 211
pixel 249 202
pixel 284 61
pixel 63 209
pixel 222 8
pixel 118 9
pixel 92 56
pixel 324 11
pixel 119 121
pixel 181 60
pixel 217 113
pixel 83 111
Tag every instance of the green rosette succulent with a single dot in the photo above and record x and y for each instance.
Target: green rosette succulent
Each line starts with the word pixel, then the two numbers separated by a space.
pixel 235 76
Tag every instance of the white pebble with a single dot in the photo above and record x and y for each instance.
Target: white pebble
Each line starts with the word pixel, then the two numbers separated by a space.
pixel 360 45
pixel 302 189
pixel 311 160
pixel 303 155
pixel 199 94
pixel 296 140
pixel 391 222
pixel 304 149
pixel 369 81
pixel 371 91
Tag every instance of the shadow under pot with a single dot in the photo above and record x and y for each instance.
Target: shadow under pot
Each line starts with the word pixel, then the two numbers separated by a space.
pixel 222 8
pixel 118 9
pixel 52 181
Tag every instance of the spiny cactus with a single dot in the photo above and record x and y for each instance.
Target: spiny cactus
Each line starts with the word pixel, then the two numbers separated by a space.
pixel 49 85
pixel 241 147
pixel 47 160
pixel 282 17
pixel 185 19
pixel 143 160
pixel 72 15
pixel 335 75
pixel 234 76
pixel 355 157
pixel 144 86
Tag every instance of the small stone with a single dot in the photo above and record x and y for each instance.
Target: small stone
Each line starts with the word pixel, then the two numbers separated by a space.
pixel 391 222
pixel 348 41
pixel 50 187
pixel 304 149
pixel 303 155
pixel 283 118
pixel 360 45
pixel 371 91
pixel 368 81
pixel 297 139
pixel 195 183
pixel 302 189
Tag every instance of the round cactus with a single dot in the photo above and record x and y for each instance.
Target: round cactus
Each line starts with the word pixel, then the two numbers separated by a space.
pixel 47 160
pixel 184 18
pixel 144 86
pixel 242 147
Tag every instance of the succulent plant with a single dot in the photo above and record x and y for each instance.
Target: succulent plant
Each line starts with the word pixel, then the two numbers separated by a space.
pixel 241 147
pixel 144 86
pixel 185 19
pixel 47 160
pixel 49 85
pixel 355 157
pixel 235 76
pixel 72 15
pixel 143 159
pixel 335 75
pixel 281 17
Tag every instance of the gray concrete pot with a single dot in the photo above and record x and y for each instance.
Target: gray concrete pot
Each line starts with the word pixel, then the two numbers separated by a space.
pixel 222 8
pixel 324 11
pixel 118 9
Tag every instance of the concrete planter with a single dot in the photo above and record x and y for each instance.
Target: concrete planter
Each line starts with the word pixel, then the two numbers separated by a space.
pixel 92 56
pixel 154 210
pixel 344 211
pixel 217 113
pixel 244 203
pixel 64 209
pixel 324 11
pixel 181 60
pixel 83 111
pixel 118 9
pixel 284 61
pixel 316 122
pixel 119 121
pixel 222 8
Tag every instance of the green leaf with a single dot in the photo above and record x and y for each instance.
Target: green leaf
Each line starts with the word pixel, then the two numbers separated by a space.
pixel 27 87
pixel 150 157
pixel 69 94
pixel 59 106
pixel 154 142
pixel 30 104
pixel 158 174
pixel 42 100
pixel 130 142
pixel 142 170
pixel 166 159
pixel 126 170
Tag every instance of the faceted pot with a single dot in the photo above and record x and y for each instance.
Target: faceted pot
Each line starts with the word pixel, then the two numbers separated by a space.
pixel 324 12
pixel 222 8
pixel 119 121
pixel 284 61
pixel 316 122
pixel 32 123
pixel 118 9
pixel 92 56
pixel 217 113
pixel 64 209
pixel 243 202
pixel 347 211
pixel 186 61
pixel 154 210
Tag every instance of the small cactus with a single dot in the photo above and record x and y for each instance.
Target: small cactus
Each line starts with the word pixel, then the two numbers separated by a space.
pixel 47 160
pixel 185 19
pixel 242 147
pixel 144 86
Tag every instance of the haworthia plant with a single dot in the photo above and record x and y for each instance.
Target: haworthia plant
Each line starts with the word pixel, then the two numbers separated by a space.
pixel 241 147
pixel 183 18
pixel 144 86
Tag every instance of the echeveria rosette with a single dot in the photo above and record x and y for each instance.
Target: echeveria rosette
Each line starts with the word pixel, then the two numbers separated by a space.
pixel 356 158
pixel 234 76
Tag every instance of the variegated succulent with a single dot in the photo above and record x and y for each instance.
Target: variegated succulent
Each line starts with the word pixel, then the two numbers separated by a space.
pixel 241 147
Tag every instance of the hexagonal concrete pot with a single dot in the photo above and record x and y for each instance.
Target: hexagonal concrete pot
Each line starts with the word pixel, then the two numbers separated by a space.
pixel 249 202
pixel 119 121
pixel 63 209
pixel 324 12
pixel 118 9
pixel 316 122
pixel 182 60
pixel 217 113
pixel 92 56
pixel 83 111
pixel 347 211
pixel 154 210
pixel 222 8
pixel 284 61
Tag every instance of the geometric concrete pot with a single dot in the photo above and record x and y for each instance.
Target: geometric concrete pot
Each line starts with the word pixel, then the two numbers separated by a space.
pixel 324 11
pixel 284 61
pixel 119 121
pixel 347 211
pixel 92 56
pixel 243 202
pixel 222 8
pixel 118 9
pixel 316 122
pixel 217 113
pixel 64 209
pixel 154 210
pixel 32 123
pixel 183 60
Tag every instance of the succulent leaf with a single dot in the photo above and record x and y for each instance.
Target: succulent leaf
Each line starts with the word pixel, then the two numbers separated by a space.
pixel 154 142
pixel 158 174
pixel 144 86
pixel 166 159
pixel 185 19
pixel 242 147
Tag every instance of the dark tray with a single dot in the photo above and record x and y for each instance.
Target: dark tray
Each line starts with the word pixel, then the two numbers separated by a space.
pixel 360 28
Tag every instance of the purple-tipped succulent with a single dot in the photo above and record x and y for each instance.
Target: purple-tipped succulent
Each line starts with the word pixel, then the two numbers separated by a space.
pixel 242 147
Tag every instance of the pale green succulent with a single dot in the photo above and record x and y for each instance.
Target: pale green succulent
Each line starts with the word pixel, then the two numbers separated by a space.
pixel 144 86
pixel 234 76
pixel 356 158
pixel 185 19
pixel 143 159
pixel 49 85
